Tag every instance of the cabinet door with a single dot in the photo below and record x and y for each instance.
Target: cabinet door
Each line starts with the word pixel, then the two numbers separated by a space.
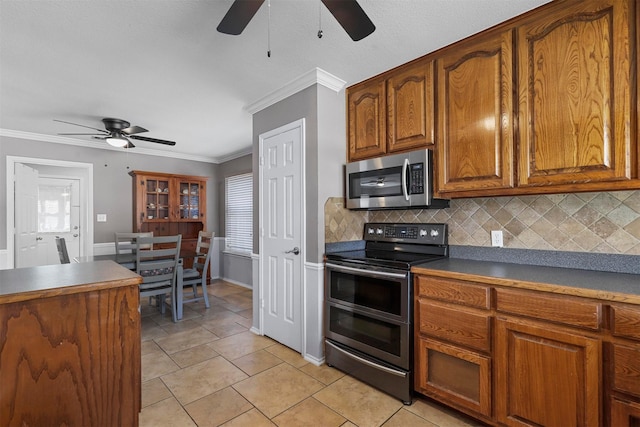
pixel 453 374
pixel 367 119
pixel 546 377
pixel 190 195
pixel 625 414
pixel 410 107
pixel 475 116
pixel 575 102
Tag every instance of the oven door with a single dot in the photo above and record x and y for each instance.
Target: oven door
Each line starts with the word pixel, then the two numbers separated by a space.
pixel 369 289
pixel 369 311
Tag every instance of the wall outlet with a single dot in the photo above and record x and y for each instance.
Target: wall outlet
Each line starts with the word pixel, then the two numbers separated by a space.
pixel 496 238
pixel 101 217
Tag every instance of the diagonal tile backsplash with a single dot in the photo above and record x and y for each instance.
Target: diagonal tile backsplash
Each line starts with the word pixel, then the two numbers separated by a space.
pixel 603 222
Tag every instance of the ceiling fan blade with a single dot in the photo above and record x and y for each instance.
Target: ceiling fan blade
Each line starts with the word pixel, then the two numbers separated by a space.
pixel 129 145
pixel 75 124
pixel 351 17
pixel 86 134
pixel 133 129
pixel 157 141
pixel 238 16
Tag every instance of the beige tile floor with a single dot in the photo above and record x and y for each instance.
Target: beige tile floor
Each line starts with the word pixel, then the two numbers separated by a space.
pixel 209 370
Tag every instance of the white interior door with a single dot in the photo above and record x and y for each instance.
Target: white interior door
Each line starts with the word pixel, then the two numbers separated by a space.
pixel 281 234
pixel 26 223
pixel 58 216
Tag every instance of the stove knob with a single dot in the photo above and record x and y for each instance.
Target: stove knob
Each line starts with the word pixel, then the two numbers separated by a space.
pixel 434 233
pixel 423 232
pixel 379 231
pixel 370 231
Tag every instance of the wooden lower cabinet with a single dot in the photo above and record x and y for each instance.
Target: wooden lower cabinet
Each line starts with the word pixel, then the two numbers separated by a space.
pixel 455 375
pixel 546 376
pixel 624 414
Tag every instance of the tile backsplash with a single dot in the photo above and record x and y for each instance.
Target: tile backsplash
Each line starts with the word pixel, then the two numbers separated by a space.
pixel 603 222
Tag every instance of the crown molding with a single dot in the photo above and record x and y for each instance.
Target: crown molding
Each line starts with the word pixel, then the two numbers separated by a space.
pixel 235 155
pixel 315 76
pixel 82 143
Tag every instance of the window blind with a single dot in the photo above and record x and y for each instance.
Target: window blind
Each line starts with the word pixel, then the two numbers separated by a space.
pixel 239 212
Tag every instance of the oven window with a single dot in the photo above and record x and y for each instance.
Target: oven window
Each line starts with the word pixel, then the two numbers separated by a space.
pixel 379 294
pixel 364 329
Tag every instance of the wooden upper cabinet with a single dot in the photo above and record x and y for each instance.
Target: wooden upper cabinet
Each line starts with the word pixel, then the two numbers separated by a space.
pixel 575 99
pixel 367 119
pixel 475 136
pixel 410 107
pixel 392 113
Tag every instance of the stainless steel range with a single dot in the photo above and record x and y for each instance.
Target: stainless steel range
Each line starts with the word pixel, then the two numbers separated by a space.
pixel 368 318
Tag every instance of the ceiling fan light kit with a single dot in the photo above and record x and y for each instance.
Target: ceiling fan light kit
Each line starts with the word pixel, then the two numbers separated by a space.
pixel 117 141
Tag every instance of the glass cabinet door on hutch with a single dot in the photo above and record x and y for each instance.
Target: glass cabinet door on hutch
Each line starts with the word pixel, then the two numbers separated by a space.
pixel 157 198
pixel 189 194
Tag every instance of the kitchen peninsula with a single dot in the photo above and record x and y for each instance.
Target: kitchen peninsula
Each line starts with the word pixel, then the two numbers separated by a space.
pixel 70 345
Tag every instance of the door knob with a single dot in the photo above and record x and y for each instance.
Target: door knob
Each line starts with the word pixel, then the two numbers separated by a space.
pixel 294 251
pixel 75 235
pixel 38 238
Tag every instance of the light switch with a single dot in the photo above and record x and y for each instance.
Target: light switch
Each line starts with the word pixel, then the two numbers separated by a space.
pixel 102 218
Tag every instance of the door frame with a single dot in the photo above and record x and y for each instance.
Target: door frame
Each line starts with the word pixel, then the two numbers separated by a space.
pixel 300 125
pixel 86 200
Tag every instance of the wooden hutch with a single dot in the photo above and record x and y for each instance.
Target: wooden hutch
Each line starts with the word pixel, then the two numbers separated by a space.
pixel 170 204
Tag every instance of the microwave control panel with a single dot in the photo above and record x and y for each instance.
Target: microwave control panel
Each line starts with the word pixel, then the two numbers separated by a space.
pixel 425 233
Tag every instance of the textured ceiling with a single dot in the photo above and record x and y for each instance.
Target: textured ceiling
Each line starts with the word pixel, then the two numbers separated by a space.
pixel 162 65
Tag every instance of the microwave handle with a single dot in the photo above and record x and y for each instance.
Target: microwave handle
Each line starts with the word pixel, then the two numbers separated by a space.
pixel 405 189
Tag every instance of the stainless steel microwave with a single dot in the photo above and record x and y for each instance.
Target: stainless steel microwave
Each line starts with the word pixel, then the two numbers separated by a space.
pixel 399 181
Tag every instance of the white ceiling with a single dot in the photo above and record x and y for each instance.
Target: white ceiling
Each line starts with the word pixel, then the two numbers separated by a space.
pixel 162 65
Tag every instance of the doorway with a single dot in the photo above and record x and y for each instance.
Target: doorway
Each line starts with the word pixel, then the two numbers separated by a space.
pixel 82 174
pixel 282 234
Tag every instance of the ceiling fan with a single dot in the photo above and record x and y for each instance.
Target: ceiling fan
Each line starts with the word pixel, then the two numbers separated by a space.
pixel 117 133
pixel 348 13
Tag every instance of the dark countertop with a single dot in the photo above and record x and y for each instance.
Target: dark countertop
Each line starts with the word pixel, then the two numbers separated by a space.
pixel 22 284
pixel 620 287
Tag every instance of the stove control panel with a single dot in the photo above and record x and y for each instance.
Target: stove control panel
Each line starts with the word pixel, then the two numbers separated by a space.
pixel 424 233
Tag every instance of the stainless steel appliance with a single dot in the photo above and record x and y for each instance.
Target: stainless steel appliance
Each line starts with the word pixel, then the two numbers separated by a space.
pixel 399 181
pixel 368 320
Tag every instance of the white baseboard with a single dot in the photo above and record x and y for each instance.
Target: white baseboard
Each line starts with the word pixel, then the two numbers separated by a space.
pixel 4 262
pixel 235 282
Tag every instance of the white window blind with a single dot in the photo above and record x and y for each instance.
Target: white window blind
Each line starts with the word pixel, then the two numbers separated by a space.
pixel 239 212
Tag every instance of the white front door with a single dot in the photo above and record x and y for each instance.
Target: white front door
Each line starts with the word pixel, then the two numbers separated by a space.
pixel 26 223
pixel 281 233
pixel 58 216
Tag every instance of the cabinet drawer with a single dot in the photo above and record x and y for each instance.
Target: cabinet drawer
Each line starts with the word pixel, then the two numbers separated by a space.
pixel 452 324
pixel 454 291
pixel 553 308
pixel 626 369
pixel 625 321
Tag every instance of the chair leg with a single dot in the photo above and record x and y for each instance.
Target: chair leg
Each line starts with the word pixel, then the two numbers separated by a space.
pixel 161 299
pixel 179 295
pixel 204 292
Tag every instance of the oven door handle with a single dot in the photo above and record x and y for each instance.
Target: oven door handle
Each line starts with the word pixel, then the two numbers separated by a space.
pixel 364 271
pixel 405 187
pixel 367 362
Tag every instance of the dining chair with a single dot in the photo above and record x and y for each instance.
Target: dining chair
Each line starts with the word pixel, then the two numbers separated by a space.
pixel 197 275
pixel 126 246
pixel 62 250
pixel 157 262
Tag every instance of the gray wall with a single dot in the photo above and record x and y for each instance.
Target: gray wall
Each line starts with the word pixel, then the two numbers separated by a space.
pixel 112 185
